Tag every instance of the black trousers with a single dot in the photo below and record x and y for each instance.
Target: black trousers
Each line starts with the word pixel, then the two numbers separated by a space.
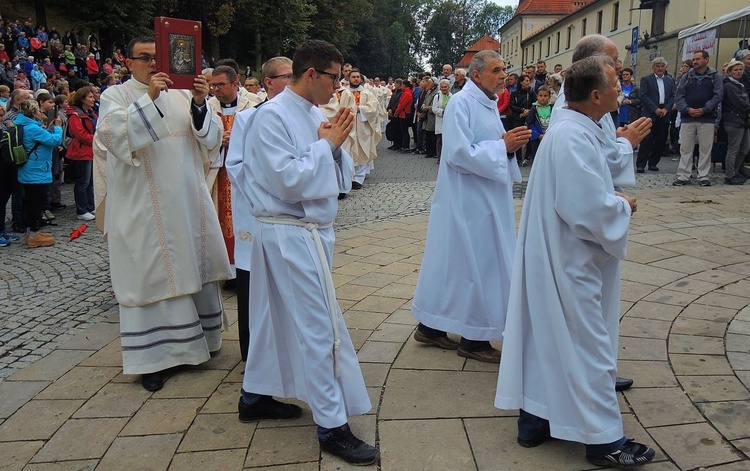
pixel 33 204
pixel 430 145
pixel 404 125
pixel 243 310
pixel 652 146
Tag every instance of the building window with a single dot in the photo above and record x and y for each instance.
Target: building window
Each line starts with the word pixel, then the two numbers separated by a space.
pixel 533 53
pixel 569 37
pixel 557 43
pixel 615 16
pixel 540 50
pixel 583 27
pixel 549 45
pixel 599 18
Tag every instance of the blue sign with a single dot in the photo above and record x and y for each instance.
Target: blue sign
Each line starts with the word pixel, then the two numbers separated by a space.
pixel 634 47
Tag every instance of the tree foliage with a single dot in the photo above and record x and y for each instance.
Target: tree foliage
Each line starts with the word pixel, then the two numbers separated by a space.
pixel 383 38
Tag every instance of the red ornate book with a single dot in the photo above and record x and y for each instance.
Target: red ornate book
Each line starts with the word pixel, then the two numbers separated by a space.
pixel 178 49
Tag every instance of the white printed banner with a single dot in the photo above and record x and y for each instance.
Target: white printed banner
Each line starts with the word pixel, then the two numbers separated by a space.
pixel 703 41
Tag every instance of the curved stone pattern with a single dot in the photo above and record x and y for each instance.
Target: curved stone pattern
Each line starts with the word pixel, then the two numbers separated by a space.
pixel 685 339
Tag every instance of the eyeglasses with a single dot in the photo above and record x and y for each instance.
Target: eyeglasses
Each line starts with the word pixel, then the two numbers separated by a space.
pixel 335 77
pixel 284 76
pixel 218 85
pixel 144 58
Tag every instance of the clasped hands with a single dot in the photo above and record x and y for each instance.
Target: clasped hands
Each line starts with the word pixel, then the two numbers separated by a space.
pixel 337 129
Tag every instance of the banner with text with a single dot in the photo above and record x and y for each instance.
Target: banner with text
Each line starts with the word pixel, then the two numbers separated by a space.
pixel 703 41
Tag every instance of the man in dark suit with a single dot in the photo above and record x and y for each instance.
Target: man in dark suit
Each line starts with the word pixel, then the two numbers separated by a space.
pixel 657 97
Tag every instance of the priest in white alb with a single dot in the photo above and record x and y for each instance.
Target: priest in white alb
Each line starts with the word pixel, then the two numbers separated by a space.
pixel 165 245
pixel 560 341
pixel 294 169
pixel 367 130
pixel 465 275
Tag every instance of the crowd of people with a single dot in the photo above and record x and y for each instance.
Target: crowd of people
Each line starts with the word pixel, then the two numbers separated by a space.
pixel 61 76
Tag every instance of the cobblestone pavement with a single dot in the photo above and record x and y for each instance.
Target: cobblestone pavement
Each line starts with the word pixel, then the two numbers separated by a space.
pixel 685 339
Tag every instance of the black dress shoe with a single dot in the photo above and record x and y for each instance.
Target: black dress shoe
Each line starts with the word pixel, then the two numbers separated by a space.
pixel 356 186
pixel 267 408
pixel 621 384
pixel 152 381
pixel 231 284
pixel 653 168
pixel 640 170
pixel 342 196
pixel 58 206
pixel 349 448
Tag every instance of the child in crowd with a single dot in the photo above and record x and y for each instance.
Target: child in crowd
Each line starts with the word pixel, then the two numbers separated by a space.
pixel 538 121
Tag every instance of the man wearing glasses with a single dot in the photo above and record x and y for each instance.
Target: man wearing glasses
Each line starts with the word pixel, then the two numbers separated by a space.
pixel 226 103
pixel 293 170
pixel 276 74
pixel 165 243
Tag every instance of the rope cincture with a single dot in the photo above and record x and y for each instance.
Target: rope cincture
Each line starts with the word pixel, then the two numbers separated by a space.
pixel 330 290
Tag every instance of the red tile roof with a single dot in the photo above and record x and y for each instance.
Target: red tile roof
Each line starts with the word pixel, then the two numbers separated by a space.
pixel 485 42
pixel 550 7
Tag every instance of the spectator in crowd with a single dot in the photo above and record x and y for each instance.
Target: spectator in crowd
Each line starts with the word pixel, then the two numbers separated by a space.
pixel 657 95
pixel 22 81
pixel 735 116
pixel 70 58
pixel 92 69
pixel 538 122
pixel 698 95
pixel 405 114
pixel 541 73
pixel 558 68
pixel 459 81
pixel 554 83
pixel 503 104
pixel 48 68
pixel 107 68
pixel 4 96
pixel 429 122
pixel 3 53
pixel 81 127
pixel 630 107
pixel 36 174
pixel 394 123
pixel 8 75
pixel 8 181
pixel 448 73
pixel 521 102
pixel 511 83
pixel 530 72
pixel 438 107
pixel 744 57
pixel 674 128
pixel 38 78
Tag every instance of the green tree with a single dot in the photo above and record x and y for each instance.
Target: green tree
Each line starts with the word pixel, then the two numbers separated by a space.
pixel 115 20
pixel 335 21
pixel 449 31
pixel 490 18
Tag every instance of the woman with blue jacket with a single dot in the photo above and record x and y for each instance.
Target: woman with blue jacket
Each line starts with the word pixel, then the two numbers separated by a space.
pixel 36 174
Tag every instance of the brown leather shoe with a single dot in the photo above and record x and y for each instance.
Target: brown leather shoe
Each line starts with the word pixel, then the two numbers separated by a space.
pixel 488 356
pixel 39 241
pixel 444 342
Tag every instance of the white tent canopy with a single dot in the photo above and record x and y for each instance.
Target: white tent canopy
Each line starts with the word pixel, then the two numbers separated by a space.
pixel 731 25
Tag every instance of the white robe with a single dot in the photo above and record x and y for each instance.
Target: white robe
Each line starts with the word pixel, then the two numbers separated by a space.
pixel 241 216
pixel 165 246
pixel 162 228
pixel 290 173
pixel 465 275
pixel 367 130
pixel 560 343
pixel 617 150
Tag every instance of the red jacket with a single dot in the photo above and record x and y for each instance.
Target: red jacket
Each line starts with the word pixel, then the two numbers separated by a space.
pixel 92 66
pixel 405 104
pixel 81 129
pixel 503 101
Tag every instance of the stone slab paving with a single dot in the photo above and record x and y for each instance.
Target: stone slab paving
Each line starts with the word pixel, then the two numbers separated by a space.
pixel 685 339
